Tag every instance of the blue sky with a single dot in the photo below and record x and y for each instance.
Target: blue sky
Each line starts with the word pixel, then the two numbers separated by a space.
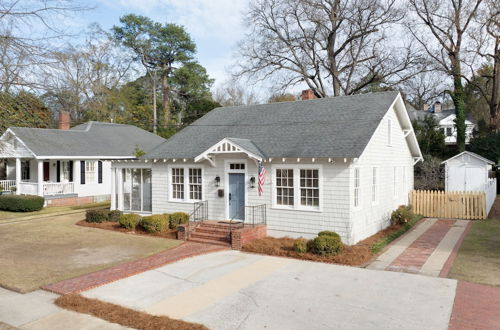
pixel 215 25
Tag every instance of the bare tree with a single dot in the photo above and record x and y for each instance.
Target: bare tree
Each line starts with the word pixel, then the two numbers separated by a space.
pixel 232 94
pixel 424 88
pixel 334 46
pixel 440 26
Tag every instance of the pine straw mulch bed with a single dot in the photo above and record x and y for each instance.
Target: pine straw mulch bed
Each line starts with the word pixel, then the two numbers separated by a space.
pixel 115 226
pixel 122 315
pixel 352 255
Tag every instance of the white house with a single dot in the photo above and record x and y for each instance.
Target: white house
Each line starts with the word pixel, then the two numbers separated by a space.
pixel 68 166
pixel 468 171
pixel 341 164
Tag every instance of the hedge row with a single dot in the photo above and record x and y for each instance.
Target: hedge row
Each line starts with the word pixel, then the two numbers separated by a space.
pixel 326 243
pixel 21 203
pixel 102 215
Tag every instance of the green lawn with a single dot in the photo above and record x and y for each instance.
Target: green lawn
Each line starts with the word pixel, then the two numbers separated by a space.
pixel 478 259
pixel 39 252
pixel 6 216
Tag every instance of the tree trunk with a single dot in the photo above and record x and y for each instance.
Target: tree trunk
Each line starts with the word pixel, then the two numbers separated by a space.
pixel 493 104
pixel 155 111
pixel 458 100
pixel 333 64
pixel 166 98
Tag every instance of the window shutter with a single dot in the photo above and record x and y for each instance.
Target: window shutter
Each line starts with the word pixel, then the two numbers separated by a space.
pixel 70 171
pixel 99 172
pixel 58 171
pixel 82 172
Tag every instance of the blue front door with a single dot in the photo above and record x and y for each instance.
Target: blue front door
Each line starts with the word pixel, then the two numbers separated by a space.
pixel 237 196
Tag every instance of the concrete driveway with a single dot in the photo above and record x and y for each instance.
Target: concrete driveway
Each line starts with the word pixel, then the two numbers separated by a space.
pixel 234 290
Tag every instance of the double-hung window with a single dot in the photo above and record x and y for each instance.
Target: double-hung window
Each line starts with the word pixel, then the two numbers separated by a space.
pixel 25 170
pixel 297 187
pixel 356 187
pixel 186 183
pixel 90 170
pixel 374 185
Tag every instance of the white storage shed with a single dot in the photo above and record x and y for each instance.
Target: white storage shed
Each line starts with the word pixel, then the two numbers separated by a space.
pixel 467 171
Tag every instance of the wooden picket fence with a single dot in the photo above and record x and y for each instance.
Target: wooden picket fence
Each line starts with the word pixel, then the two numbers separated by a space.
pixel 454 205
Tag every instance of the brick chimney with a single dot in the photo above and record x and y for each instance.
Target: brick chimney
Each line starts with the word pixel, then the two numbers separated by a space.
pixel 437 107
pixel 307 94
pixel 64 120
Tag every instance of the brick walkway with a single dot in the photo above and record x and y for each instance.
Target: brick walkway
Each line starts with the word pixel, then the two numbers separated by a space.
pixel 92 280
pixel 476 307
pixel 415 256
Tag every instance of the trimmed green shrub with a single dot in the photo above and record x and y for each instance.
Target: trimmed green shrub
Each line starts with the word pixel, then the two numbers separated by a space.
pixel 21 203
pixel 178 218
pixel 402 215
pixel 328 233
pixel 155 223
pixel 326 245
pixel 300 245
pixel 129 221
pixel 114 215
pixel 97 215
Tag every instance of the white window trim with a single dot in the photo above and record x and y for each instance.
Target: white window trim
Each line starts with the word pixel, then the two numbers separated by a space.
pixel 374 187
pixel 186 183
pixel 94 171
pixel 358 206
pixel 227 171
pixel 296 187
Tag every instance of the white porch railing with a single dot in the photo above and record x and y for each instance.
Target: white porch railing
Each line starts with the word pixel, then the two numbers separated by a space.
pixel 58 188
pixel 491 193
pixel 7 184
pixel 27 188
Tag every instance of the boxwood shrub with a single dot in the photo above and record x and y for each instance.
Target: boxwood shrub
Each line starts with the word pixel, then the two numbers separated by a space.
pixel 97 215
pixel 155 223
pixel 326 245
pixel 300 245
pixel 129 221
pixel 21 203
pixel 178 218
pixel 114 215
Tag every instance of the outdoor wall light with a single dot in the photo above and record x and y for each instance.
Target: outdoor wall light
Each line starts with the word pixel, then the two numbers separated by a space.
pixel 217 181
pixel 252 182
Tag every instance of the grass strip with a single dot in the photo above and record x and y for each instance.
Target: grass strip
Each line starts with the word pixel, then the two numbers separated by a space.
pixel 122 315
pixel 383 242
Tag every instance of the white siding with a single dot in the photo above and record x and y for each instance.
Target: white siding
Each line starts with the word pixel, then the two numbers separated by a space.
pixel 370 217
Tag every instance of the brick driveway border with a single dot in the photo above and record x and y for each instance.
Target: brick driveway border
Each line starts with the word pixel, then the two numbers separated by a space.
pixel 476 306
pixel 118 272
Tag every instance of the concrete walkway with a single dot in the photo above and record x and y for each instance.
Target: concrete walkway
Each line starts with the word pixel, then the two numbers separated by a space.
pixel 36 311
pixel 235 290
pixel 425 249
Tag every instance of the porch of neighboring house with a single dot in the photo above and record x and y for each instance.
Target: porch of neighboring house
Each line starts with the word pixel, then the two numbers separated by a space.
pixel 32 176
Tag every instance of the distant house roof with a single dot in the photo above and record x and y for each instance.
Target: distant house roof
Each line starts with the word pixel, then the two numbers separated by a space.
pixel 420 114
pixel 91 139
pixel 331 127
pixel 470 154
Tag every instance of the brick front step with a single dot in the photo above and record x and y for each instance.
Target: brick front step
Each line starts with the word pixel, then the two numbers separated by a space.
pixel 209 241
pixel 209 230
pixel 213 237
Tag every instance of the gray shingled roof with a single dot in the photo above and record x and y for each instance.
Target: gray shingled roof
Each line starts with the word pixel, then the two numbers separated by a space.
pixel 93 139
pixel 331 127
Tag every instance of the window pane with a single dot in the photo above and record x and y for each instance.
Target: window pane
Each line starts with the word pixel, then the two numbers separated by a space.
pixel 309 187
pixel 146 190
pixel 127 179
pixel 178 183
pixel 284 187
pixel 136 189
pixel 195 186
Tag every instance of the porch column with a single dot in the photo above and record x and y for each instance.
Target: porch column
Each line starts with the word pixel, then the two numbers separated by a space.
pixel 39 177
pixel 76 176
pixel 119 188
pixel 18 175
pixel 113 188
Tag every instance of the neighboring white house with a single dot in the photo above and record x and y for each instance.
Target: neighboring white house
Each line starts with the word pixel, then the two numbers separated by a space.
pixel 341 164
pixel 468 171
pixel 66 165
pixel 446 121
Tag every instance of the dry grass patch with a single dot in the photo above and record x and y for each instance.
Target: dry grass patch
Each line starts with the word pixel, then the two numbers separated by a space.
pixel 352 255
pixel 121 315
pixel 115 226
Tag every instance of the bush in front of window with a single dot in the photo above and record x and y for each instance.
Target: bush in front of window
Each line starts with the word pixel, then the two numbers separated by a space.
pixel 114 215
pixel 97 215
pixel 328 233
pixel 155 223
pixel 178 218
pixel 21 203
pixel 326 245
pixel 129 221
pixel 402 215
pixel 300 245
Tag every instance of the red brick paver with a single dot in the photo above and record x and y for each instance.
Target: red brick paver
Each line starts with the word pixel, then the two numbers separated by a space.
pixel 476 307
pixel 415 256
pixel 92 280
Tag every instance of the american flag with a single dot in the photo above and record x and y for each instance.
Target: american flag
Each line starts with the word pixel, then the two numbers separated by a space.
pixel 262 179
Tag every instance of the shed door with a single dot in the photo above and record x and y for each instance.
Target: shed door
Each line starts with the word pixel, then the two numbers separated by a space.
pixel 456 178
pixel 474 179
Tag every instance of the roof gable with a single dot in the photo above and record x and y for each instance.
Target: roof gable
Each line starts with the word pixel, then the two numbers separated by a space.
pixel 472 154
pixel 333 127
